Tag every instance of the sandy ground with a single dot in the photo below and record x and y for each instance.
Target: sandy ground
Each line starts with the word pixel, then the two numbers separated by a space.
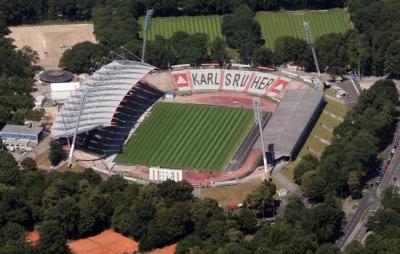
pixel 161 79
pixel 229 195
pixel 51 41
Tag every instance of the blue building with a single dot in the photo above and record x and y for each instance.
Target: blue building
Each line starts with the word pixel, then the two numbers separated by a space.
pixel 20 133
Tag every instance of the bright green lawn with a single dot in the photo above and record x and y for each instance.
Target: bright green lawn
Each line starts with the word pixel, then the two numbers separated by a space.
pixel 167 26
pixel 316 144
pixel 278 24
pixel 188 136
pixel 273 24
pixel 337 108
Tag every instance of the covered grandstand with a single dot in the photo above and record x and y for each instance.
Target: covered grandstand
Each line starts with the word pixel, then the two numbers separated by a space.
pixel 290 123
pixel 106 106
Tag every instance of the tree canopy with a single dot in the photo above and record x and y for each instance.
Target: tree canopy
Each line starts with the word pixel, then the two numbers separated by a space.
pixel 351 158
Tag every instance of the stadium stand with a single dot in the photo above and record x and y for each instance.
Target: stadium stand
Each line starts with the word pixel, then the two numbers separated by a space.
pixel 110 140
pixel 252 82
pixel 110 101
pixel 290 123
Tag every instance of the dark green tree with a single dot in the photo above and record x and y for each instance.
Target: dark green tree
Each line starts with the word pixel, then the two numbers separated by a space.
pixel 263 56
pixel 169 225
pixel 355 247
pixel 135 219
pixel 295 211
pixel 52 238
pixel 80 58
pixel 328 248
pixel 247 221
pixel 307 163
pixel 159 54
pixel 218 51
pixel 242 31
pixel 66 212
pixel 392 62
pixel 171 191
pixel 57 153
pixel 29 164
pixel 115 25
pixel 313 185
pixel 261 199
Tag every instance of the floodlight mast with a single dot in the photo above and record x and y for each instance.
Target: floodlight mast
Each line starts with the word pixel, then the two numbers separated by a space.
pixel 147 25
pixel 258 119
pixel 81 106
pixel 310 41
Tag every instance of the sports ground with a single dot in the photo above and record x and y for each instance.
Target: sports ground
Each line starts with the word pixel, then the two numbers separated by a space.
pixel 273 24
pixel 188 136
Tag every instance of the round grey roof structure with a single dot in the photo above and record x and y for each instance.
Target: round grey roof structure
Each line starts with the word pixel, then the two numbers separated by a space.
pixel 56 76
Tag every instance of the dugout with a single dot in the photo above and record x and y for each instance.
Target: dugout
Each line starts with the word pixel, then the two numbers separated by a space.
pixel 291 124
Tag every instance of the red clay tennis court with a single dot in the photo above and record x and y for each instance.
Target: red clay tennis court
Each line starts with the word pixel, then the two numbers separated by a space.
pixel 107 242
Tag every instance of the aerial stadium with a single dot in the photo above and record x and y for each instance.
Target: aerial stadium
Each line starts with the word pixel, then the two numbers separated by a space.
pixel 196 124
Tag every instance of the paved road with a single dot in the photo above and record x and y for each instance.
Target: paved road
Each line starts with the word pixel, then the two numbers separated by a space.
pixel 356 228
pixel 352 90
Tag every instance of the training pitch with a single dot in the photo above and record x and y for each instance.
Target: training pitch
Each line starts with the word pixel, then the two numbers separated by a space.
pixel 188 136
pixel 273 24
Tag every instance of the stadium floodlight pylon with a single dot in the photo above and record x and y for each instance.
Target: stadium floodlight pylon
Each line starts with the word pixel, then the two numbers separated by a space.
pixel 258 119
pixel 147 25
pixel 310 41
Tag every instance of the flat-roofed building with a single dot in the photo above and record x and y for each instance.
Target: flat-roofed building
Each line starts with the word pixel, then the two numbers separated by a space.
pixel 20 137
pixel 21 133
pixel 291 123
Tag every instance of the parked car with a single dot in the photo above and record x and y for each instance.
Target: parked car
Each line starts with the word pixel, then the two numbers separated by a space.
pixel 385 168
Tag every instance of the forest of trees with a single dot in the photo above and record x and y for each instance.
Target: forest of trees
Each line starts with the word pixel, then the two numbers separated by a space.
pixel 16 79
pixel 69 205
pixel 352 157
pixel 386 227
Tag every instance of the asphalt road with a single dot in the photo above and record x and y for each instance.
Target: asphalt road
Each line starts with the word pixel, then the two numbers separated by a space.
pixel 352 90
pixel 356 228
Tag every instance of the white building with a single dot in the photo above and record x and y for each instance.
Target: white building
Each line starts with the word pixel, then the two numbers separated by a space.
pixel 162 174
pixel 61 91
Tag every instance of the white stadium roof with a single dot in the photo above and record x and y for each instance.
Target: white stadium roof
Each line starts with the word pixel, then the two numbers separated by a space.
pixel 104 90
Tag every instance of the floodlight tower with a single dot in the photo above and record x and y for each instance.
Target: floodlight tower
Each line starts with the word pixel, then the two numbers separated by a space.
pixel 258 119
pixel 310 41
pixel 147 25
pixel 81 107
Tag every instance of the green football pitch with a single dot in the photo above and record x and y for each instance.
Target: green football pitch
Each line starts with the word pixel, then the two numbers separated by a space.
pixel 273 24
pixel 188 136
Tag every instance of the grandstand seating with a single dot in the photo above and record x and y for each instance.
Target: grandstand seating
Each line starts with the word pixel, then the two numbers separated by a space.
pixel 110 140
pixel 252 82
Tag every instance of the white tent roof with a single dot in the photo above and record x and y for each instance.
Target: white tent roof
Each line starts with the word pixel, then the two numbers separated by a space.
pixel 104 91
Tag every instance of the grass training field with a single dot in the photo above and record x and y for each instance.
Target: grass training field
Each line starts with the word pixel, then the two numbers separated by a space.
pixel 188 136
pixel 278 24
pixel 273 24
